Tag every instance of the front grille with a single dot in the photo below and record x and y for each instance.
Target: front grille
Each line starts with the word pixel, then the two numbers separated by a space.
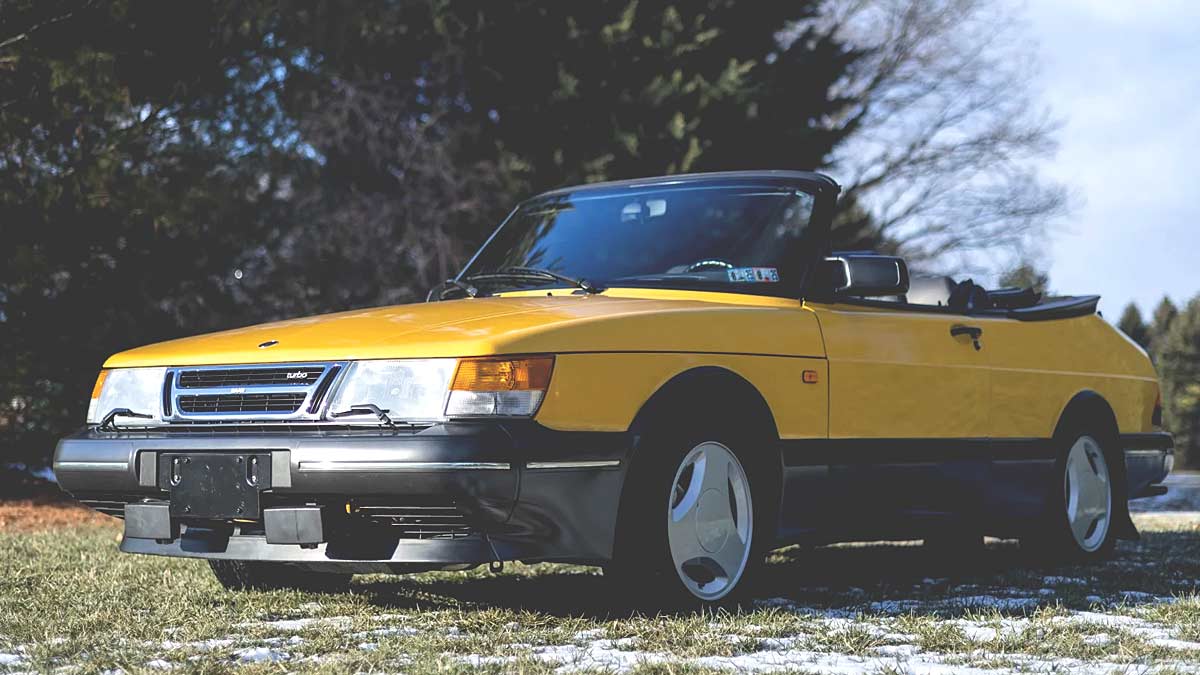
pixel 249 377
pixel 241 403
pixel 420 522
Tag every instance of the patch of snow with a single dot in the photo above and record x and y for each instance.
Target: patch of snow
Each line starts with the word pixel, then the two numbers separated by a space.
pixel 292 625
pixel 1064 581
pixel 391 630
pixel 11 659
pixel 202 646
pixel 159 664
pixel 261 655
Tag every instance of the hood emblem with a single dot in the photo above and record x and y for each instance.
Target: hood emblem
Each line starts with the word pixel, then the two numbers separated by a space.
pixel 268 343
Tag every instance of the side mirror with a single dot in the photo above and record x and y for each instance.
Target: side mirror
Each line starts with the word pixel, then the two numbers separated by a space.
pixel 863 275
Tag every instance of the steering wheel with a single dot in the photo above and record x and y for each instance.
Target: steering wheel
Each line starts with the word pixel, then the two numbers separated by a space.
pixel 709 262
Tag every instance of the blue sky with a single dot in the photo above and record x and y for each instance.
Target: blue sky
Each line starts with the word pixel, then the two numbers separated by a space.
pixel 1124 78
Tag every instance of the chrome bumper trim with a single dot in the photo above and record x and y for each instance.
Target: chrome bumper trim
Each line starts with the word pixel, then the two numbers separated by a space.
pixel 400 466
pixel 91 466
pixel 595 464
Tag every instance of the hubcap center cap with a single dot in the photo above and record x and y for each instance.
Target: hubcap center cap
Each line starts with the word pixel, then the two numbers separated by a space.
pixel 712 520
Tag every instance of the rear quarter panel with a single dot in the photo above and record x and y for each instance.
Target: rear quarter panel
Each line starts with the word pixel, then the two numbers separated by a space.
pixel 1039 366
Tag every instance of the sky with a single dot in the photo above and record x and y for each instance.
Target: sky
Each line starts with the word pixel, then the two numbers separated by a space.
pixel 1124 79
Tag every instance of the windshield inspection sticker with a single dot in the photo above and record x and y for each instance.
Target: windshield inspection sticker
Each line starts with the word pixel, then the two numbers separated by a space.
pixel 754 275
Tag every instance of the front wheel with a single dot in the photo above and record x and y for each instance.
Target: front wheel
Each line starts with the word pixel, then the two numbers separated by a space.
pixel 690 533
pixel 243 575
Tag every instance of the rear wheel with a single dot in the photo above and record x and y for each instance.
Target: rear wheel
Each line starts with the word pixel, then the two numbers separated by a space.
pixel 1080 522
pixel 245 575
pixel 690 532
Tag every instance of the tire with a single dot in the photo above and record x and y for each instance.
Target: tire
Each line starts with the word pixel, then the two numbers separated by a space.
pixel 696 518
pixel 245 575
pixel 1083 503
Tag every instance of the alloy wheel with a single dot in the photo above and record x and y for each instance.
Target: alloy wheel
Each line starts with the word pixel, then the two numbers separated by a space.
pixel 1087 489
pixel 710 524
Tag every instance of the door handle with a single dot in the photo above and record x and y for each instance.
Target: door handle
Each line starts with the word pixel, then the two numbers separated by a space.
pixel 974 332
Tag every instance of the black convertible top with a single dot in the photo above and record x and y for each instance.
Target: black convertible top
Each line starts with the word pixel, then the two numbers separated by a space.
pixel 1056 308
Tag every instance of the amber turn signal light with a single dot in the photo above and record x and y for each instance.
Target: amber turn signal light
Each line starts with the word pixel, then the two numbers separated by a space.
pixel 810 377
pixel 503 374
pixel 99 384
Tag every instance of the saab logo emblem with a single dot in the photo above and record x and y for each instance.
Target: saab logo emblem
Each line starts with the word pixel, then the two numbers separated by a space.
pixel 298 375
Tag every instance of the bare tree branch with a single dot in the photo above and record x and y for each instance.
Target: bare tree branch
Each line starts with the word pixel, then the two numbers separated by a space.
pixel 946 129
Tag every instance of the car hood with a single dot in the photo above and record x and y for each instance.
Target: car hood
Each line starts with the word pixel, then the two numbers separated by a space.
pixel 519 324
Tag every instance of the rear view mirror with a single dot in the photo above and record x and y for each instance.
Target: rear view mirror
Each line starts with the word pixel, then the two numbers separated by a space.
pixel 863 275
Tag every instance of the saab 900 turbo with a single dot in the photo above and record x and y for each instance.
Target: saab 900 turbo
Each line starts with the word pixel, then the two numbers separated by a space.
pixel 665 377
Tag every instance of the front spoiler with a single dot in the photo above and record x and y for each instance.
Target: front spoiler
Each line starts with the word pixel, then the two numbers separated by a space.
pixel 531 493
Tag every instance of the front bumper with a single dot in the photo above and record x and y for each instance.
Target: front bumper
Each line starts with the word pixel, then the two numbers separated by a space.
pixel 523 492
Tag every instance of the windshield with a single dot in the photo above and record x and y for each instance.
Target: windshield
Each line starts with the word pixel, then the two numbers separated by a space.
pixel 747 239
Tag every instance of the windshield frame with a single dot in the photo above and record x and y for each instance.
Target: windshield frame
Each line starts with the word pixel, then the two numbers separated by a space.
pixel 805 252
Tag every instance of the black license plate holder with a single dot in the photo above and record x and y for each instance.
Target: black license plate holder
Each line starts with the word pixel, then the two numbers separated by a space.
pixel 215 485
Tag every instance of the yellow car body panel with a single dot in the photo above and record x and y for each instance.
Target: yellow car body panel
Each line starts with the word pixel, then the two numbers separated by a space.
pixel 518 324
pixel 604 392
pixel 898 373
pixel 1038 367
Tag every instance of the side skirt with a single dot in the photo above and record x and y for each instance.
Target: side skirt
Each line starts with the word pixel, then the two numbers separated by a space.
pixel 848 489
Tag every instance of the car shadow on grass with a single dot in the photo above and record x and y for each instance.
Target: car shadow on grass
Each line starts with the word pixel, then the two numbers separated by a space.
pixel 876 578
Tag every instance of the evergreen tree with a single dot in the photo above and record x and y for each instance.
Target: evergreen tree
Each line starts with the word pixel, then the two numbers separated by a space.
pixel 626 88
pixel 1179 366
pixel 1133 325
pixel 1160 323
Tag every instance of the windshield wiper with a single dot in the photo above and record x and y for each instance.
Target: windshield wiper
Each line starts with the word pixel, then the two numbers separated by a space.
pixel 536 273
pixel 439 291
pixel 367 409
pixel 109 422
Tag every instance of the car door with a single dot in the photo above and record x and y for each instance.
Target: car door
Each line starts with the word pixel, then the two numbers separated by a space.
pixel 908 410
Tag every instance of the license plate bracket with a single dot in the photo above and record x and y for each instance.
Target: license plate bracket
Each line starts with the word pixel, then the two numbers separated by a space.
pixel 215 485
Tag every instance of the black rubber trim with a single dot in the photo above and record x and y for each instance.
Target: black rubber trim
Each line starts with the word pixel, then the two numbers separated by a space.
pixel 1158 440
pixel 825 451
pixel 1058 308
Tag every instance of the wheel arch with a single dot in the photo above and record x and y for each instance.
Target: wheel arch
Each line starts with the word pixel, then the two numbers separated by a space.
pixel 697 387
pixel 713 390
pixel 1091 410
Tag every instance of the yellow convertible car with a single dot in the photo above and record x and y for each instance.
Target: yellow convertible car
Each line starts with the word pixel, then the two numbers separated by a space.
pixel 665 377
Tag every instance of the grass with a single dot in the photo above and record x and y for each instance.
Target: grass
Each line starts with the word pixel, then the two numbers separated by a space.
pixel 69 600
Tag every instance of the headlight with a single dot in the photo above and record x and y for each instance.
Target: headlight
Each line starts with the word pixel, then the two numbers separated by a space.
pixel 138 389
pixel 505 387
pixel 427 390
pixel 410 390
